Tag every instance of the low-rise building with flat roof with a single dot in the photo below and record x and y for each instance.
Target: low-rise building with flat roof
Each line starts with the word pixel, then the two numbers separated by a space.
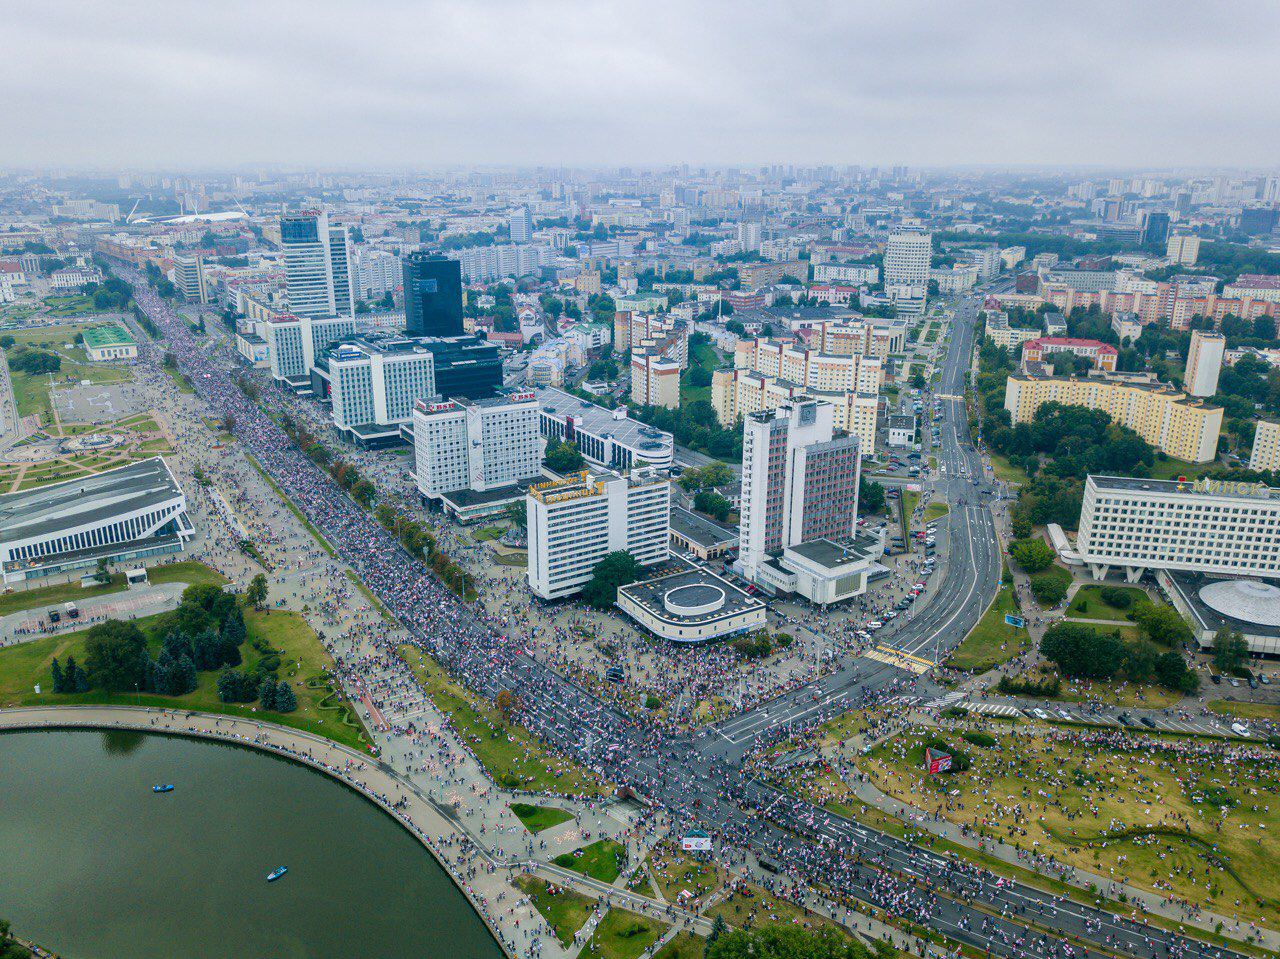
pixel 690 605
pixel 700 536
pixel 130 513
pixel 608 439
pixel 823 571
pixel 109 342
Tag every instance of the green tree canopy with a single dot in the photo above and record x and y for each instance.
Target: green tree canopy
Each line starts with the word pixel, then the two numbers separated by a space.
pixel 616 569
pixel 113 657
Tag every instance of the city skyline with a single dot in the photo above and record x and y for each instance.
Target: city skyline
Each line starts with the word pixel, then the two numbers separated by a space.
pixel 584 84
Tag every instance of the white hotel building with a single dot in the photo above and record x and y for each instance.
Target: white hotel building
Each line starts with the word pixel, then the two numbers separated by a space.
pixel 574 522
pixel 1209 526
pixel 477 445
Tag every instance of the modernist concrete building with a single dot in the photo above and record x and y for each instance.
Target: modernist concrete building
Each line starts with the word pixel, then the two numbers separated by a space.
pixel 110 342
pixel 799 483
pixel 691 605
pixel 476 456
pixel 608 439
pixel 131 513
pixel 1209 526
pixel 1265 456
pixel 574 522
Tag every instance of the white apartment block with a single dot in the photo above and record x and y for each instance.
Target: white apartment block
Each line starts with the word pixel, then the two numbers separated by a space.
pixel 1204 363
pixel 1183 249
pixel 575 522
pixel 483 264
pixel 1265 457
pixel 377 273
pixel 1209 526
pixel 986 259
pixel 479 445
pixel 854 274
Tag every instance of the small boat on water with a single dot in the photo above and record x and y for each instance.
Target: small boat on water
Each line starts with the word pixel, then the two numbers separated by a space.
pixel 166 788
pixel 277 873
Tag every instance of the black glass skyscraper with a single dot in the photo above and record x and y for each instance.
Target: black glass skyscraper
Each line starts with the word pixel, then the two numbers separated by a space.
pixel 432 295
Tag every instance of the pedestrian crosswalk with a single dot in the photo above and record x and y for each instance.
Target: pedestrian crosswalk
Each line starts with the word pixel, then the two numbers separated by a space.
pixel 943 701
pixel 991 709
pixel 903 660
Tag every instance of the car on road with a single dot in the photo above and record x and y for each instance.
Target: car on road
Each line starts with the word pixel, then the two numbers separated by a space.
pixel 875 624
pixel 1240 729
pixel 1146 721
pixel 1124 719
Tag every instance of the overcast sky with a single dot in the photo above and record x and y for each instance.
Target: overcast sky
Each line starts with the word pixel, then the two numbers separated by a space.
pixel 380 83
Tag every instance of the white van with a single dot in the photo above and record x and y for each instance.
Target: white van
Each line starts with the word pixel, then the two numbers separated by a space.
pixel 1240 729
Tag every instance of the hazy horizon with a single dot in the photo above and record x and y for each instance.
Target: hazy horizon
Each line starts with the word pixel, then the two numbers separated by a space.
pixel 396 85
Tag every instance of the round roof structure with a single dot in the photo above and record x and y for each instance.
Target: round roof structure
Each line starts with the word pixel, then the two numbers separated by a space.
pixel 694 599
pixel 1247 600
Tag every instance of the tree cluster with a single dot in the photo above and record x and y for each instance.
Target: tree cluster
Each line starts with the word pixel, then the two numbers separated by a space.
pixel 1083 653
pixel 35 362
pixel 695 426
pixel 561 457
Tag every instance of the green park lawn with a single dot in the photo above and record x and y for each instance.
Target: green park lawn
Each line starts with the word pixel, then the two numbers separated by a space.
pixel 1006 472
pixel 56 595
pixel 322 710
pixel 510 754
pixel 538 818
pixel 1089 604
pixel 622 934
pixel 565 911
pixel 1170 468
pixel 701 356
pixel 678 872
pixel 69 305
pixel 599 860
pixel 1147 813
pixel 1227 707
pixel 992 641
pixel 754 906
pixel 935 510
pixel 191 572
pixel 683 945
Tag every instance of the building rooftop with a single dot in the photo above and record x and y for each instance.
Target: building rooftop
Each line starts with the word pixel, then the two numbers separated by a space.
pixel 1044 341
pixel 112 334
pixel 901 422
pixel 831 555
pixel 76 502
pixel 610 424
pixel 699 529
pixel 689 595
pixel 1201 487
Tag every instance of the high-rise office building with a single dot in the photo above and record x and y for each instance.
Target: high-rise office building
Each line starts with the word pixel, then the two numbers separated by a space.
pixel 465 366
pixel 317 266
pixel 373 383
pixel 188 278
pixel 799 484
pixel 1204 363
pixel 521 226
pixel 432 295
pixel 906 259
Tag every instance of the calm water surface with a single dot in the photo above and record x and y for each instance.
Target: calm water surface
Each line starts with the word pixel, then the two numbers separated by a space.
pixel 96 866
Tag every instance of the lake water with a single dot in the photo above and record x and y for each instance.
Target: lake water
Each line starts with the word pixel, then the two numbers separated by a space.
pixel 93 865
